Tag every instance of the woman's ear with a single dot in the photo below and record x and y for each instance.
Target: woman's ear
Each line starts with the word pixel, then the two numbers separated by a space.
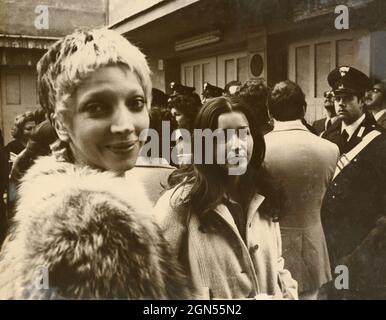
pixel 60 127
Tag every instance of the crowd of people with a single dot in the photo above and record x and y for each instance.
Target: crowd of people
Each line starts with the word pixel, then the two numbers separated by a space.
pixel 110 220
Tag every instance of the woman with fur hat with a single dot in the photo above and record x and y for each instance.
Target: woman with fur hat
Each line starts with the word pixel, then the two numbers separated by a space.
pixel 79 225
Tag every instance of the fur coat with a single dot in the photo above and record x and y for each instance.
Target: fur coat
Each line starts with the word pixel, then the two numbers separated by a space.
pixel 94 235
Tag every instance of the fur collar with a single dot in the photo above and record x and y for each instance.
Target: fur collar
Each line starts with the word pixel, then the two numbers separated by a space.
pixel 94 234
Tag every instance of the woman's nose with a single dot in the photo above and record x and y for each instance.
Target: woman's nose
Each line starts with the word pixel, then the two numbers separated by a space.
pixel 234 142
pixel 123 121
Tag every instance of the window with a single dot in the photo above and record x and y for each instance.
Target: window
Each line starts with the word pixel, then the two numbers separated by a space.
pixel 233 66
pixel 196 76
pixel 322 67
pixel 242 69
pixel 188 76
pixel 230 70
pixel 218 70
pixel 195 73
pixel 302 68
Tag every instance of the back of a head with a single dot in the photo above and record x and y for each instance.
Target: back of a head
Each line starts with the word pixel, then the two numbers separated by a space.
pixel 287 101
pixel 44 133
pixel 159 98
pixel 255 91
pixel 188 104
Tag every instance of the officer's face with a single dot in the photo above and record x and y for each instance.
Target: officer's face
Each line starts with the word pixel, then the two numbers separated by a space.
pixel 348 107
pixel 375 97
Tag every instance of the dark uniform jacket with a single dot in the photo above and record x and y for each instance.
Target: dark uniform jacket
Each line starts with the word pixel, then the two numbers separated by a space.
pixel 319 125
pixel 354 220
pixel 382 121
pixel 333 133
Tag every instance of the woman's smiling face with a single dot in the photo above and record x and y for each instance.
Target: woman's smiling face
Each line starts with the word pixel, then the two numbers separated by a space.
pixel 106 116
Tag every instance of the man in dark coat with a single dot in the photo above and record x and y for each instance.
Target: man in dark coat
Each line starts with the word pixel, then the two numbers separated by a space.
pixel 349 86
pixel 376 102
pixel 325 123
pixel 354 221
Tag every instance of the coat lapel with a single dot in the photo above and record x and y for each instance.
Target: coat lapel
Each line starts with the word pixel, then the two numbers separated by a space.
pixel 333 133
pixel 223 211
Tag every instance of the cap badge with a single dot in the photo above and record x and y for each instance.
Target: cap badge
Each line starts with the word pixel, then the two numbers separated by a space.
pixel 343 71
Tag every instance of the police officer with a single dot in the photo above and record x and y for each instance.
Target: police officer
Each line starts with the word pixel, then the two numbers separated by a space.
pixel 323 124
pixel 354 123
pixel 179 89
pixel 211 91
pixel 354 206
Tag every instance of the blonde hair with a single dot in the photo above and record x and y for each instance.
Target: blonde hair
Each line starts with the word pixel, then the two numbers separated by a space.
pixel 71 59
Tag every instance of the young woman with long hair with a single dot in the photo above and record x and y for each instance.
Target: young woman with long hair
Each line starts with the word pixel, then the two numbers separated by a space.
pixel 223 228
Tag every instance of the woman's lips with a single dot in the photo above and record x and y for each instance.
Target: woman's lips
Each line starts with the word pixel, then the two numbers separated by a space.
pixel 236 158
pixel 122 147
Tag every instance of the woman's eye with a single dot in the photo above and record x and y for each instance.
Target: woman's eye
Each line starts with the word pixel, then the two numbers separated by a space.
pixel 137 104
pixel 96 108
pixel 243 132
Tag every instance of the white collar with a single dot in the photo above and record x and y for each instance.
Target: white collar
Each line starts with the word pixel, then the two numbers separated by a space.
pixel 350 129
pixel 288 125
pixel 379 114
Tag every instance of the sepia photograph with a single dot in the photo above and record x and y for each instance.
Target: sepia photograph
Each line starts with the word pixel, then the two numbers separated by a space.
pixel 191 151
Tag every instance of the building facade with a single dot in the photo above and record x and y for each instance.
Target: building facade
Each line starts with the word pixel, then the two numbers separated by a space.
pixel 27 29
pixel 193 41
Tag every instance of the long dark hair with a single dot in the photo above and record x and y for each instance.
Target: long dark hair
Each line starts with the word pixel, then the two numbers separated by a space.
pixel 206 182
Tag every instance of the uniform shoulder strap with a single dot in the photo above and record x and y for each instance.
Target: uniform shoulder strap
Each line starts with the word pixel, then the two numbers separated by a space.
pixel 346 158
